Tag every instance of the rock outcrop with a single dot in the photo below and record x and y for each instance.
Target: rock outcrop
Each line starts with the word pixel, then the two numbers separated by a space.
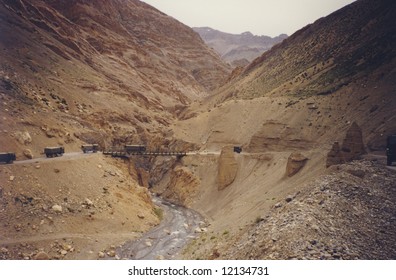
pixel 143 177
pixel 227 169
pixel 182 187
pixel 352 147
pixel 334 155
pixel 41 256
pixel 23 137
pixel 28 153
pixel 276 136
pixel 295 163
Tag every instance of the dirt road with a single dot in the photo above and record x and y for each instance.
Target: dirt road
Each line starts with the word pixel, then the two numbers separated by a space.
pixel 65 156
pixel 178 227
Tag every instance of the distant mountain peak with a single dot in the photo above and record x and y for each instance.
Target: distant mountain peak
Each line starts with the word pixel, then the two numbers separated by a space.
pixel 247 33
pixel 235 48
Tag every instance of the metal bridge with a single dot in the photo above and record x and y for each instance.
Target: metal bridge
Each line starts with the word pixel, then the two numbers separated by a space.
pixel 115 153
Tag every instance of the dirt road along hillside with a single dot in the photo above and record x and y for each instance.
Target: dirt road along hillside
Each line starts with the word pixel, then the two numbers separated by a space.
pixel 72 207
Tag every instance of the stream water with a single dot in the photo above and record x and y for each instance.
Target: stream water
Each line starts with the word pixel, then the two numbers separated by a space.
pixel 165 241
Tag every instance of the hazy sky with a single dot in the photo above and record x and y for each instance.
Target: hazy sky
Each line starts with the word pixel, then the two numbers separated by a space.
pixel 261 17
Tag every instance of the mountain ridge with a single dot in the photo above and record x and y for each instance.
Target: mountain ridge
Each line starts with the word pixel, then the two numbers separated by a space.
pixel 237 47
pixel 339 44
pixel 95 62
pixel 116 77
pixel 302 97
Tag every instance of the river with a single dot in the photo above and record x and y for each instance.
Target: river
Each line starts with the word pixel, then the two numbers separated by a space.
pixel 166 241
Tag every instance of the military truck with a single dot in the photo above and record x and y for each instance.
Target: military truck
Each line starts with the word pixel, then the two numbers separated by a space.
pixel 135 149
pixel 237 149
pixel 90 148
pixel 7 157
pixel 54 151
pixel 390 149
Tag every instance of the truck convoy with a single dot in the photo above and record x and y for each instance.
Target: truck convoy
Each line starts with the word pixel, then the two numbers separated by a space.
pixel 134 149
pixel 54 151
pixel 7 157
pixel 90 148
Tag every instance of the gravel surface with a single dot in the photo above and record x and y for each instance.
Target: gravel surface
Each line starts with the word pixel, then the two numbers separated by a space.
pixel 347 214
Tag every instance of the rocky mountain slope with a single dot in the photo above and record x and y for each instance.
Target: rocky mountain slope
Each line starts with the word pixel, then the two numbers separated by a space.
pixel 80 73
pixel 75 72
pixel 237 49
pixel 347 213
pixel 97 71
pixel 338 70
pixel 299 98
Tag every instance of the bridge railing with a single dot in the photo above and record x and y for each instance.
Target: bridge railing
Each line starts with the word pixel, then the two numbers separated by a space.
pixel 122 153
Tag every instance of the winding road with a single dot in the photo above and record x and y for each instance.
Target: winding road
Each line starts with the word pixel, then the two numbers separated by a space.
pixel 65 156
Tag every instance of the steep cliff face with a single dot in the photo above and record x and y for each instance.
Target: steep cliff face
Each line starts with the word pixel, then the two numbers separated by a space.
pixel 183 186
pixel 104 69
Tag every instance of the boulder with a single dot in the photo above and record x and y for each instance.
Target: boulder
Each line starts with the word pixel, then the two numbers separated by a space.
pixel 295 163
pixel 63 252
pixel 289 198
pixel 57 208
pixel 88 202
pixel 227 168
pixel 28 153
pixel 141 216
pixel 41 256
pixel 23 137
pixel 111 253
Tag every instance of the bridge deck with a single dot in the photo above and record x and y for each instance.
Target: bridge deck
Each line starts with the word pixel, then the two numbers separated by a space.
pixel 146 153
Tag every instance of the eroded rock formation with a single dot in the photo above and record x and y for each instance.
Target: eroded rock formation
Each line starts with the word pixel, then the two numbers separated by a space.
pixel 352 147
pixel 182 187
pixel 227 169
pixel 334 156
pixel 295 163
